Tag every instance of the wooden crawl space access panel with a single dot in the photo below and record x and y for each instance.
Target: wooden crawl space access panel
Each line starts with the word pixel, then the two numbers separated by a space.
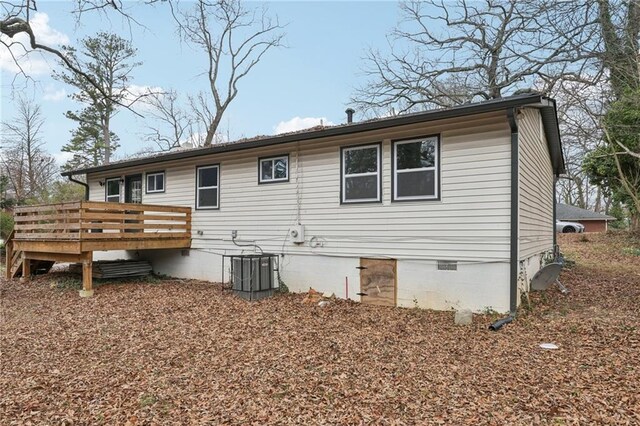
pixel 378 281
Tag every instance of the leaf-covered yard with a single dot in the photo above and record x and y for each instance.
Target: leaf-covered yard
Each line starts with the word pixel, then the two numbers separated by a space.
pixel 185 352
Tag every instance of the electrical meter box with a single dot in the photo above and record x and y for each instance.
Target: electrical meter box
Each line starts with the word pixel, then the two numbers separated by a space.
pixel 296 234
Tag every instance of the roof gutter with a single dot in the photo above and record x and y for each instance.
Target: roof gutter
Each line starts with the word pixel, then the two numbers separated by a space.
pixel 513 265
pixel 555 214
pixel 460 111
pixel 513 249
pixel 79 182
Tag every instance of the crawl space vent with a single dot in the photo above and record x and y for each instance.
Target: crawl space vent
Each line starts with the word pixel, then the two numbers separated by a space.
pixel 447 265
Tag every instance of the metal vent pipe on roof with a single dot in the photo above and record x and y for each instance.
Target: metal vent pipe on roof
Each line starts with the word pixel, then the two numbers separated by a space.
pixel 349 112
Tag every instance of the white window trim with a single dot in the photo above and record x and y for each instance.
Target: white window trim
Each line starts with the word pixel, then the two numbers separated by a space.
pixel 273 163
pixel 434 168
pixel 198 187
pixel 106 190
pixel 148 175
pixel 376 173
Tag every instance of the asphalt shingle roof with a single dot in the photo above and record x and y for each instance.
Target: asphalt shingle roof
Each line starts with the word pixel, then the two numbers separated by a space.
pixel 546 105
pixel 567 212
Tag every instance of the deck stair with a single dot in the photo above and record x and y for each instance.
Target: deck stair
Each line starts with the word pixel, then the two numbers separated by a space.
pixel 71 232
pixel 14 261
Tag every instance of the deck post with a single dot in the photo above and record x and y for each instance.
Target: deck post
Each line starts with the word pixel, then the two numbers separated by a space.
pixel 8 263
pixel 67 232
pixel 26 269
pixel 87 274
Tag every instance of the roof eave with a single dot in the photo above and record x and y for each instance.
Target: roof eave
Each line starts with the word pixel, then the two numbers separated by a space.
pixel 461 111
pixel 608 219
pixel 549 114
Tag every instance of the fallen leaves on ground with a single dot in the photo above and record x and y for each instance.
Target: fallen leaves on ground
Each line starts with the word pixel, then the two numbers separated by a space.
pixel 189 352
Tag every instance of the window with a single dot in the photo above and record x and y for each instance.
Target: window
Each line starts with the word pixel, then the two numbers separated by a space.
pixel 155 182
pixel 273 169
pixel 415 165
pixel 361 174
pixel 207 187
pixel 112 190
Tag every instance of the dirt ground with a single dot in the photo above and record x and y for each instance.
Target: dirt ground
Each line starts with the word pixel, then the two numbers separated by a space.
pixel 187 352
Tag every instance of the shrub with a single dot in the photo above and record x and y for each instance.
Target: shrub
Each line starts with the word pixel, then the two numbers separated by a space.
pixel 633 251
pixel 67 282
pixel 6 225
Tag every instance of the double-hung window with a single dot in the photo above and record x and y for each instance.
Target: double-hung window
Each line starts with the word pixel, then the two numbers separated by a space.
pixel 273 169
pixel 112 190
pixel 208 187
pixel 155 182
pixel 415 168
pixel 361 174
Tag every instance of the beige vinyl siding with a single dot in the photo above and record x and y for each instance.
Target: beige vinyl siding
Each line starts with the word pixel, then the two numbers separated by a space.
pixel 469 223
pixel 536 186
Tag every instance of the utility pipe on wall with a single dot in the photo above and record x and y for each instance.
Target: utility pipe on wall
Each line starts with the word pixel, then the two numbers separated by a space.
pixel 346 288
pixel 514 252
pixel 515 184
pixel 79 182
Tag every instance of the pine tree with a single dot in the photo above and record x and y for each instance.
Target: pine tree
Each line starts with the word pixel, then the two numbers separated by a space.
pixel 87 142
pixel 107 57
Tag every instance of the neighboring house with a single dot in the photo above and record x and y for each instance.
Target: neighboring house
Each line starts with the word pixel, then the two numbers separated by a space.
pixel 592 221
pixel 454 206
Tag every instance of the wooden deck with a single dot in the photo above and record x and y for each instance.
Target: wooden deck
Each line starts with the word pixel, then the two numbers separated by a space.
pixel 71 232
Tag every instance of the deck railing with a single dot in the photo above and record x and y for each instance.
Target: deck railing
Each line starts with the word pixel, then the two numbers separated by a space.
pixel 99 221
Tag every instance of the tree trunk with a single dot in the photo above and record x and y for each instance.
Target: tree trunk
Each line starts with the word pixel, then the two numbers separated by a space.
pixel 634 226
pixel 582 202
pixel 621 52
pixel 211 131
pixel 106 136
pixel 30 170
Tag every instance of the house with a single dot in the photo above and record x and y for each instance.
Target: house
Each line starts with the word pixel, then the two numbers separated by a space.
pixel 447 208
pixel 592 221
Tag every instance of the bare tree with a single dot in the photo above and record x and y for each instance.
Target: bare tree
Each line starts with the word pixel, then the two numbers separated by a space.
pixel 17 34
pixel 582 107
pixel 580 113
pixel 496 47
pixel 170 125
pixel 583 53
pixel 29 168
pixel 234 40
pixel 484 50
pixel 615 166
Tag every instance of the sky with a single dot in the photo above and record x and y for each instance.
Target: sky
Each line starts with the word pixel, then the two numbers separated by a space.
pixel 291 88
